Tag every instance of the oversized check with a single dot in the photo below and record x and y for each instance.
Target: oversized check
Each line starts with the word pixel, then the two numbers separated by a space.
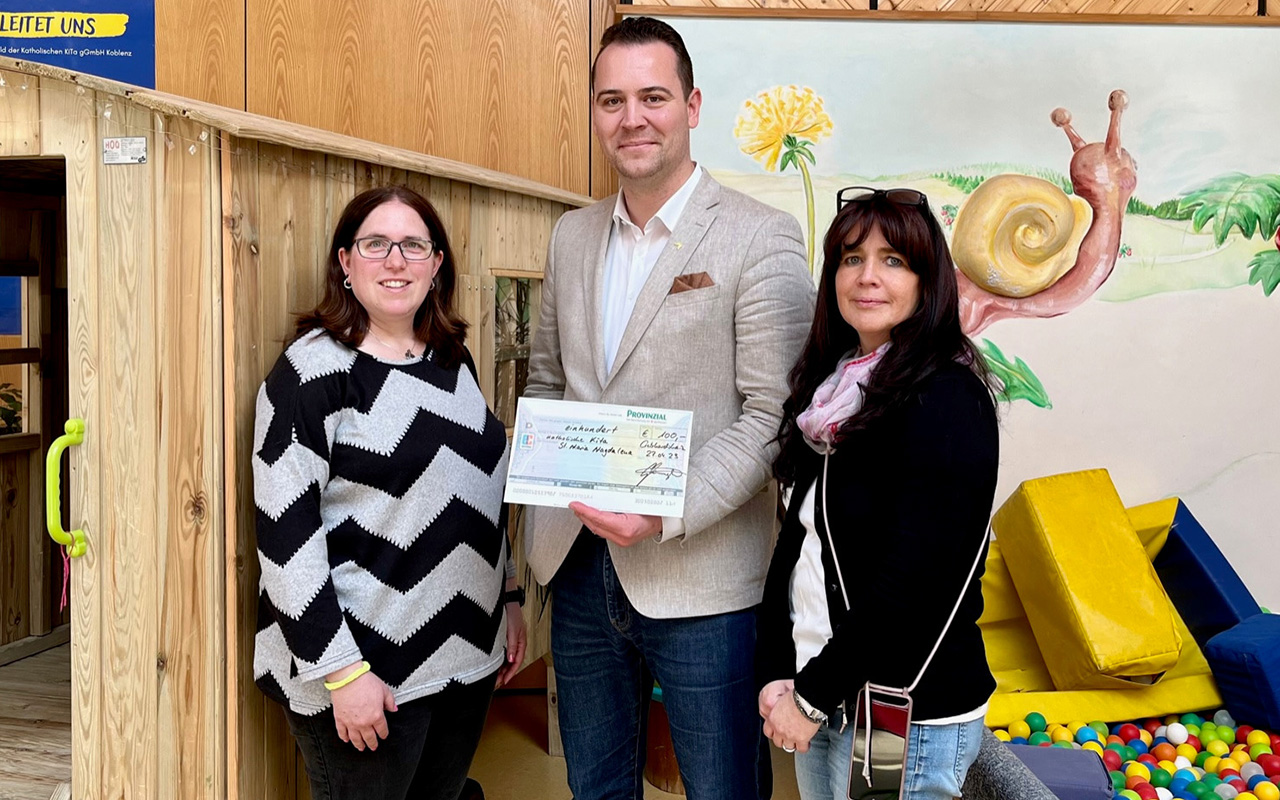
pixel 615 458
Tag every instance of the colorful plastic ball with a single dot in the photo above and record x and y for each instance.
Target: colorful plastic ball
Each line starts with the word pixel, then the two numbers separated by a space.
pixel 1202 757
pixel 1146 738
pixel 1039 738
pixel 1117 779
pixel 1266 790
pixel 1218 747
pixel 1253 780
pixel 1223 717
pixel 1187 751
pixel 1112 759
pixel 1246 796
pixel 1242 733
pixel 1160 778
pixel 1182 762
pixel 1275 742
pixel 1101 727
pixel 1177 785
pixel 1132 781
pixel 1197 788
pixel 1193 741
pixel 1017 740
pixel 1241 755
pixel 1059 735
pixel 1228 763
pixel 1186 774
pixel 1085 734
pixel 1138 746
pixel 1092 747
pixel 1129 794
pixel 1191 719
pixel 1270 764
pixel 1163 793
pixel 1259 750
pixel 1149 760
pixel 1019 729
pixel 1146 791
pixel 1176 734
pixel 1164 751
pixel 1138 768
pixel 1127 731
pixel 1150 724
pixel 1258 737
pixel 1168 766
pixel 1035 721
pixel 1251 769
pixel 1001 734
pixel 1066 745
pixel 1210 735
pixel 1225 791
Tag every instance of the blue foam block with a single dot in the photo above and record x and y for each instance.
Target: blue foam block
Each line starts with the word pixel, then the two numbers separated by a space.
pixel 1069 774
pixel 1246 666
pixel 1209 595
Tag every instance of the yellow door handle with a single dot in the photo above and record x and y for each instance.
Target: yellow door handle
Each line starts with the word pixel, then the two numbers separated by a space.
pixel 73 541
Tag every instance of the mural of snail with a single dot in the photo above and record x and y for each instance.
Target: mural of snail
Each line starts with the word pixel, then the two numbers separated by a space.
pixel 1027 249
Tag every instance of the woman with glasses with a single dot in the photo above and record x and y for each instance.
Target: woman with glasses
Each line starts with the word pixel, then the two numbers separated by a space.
pixel 890 444
pixel 388 605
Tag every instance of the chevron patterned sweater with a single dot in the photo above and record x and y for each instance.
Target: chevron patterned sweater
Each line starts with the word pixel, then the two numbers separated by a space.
pixel 381 528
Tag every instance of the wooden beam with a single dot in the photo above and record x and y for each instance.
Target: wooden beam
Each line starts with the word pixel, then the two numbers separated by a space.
pixel 19 442
pixel 19 267
pixel 947 16
pixel 16 651
pixel 265 129
pixel 20 355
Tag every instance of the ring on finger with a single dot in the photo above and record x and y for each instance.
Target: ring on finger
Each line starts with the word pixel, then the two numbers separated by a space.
pixel 788 749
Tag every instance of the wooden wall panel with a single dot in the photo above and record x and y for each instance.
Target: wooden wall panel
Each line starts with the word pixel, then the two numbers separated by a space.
pixel 19 114
pixel 487 82
pixel 127 428
pixel 70 130
pixel 200 50
pixel 189 533
pixel 604 181
pixel 15 535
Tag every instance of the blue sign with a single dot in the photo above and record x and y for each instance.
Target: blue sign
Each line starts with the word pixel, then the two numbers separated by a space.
pixel 114 39
pixel 10 306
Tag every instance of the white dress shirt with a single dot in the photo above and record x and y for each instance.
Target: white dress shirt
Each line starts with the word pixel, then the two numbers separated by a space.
pixel 627 264
pixel 630 258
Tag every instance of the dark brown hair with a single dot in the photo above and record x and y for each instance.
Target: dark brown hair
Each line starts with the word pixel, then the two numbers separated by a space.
pixel 923 342
pixel 436 322
pixel 643 30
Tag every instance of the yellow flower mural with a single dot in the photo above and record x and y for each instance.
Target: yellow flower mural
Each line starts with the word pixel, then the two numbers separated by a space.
pixel 778 127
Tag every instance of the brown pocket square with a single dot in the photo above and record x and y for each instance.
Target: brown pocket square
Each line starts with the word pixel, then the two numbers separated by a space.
pixel 687 283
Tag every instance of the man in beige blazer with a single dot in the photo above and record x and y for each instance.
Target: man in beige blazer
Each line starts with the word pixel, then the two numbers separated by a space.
pixel 677 293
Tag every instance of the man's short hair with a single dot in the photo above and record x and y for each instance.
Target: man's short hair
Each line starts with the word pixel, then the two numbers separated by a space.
pixel 643 30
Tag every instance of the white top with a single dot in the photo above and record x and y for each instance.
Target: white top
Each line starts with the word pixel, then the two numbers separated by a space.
pixel 630 258
pixel 810 616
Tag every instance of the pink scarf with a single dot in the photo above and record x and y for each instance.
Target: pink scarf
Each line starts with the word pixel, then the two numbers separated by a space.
pixel 837 399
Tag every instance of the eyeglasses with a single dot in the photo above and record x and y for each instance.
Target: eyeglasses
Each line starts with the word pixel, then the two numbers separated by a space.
pixel 379 247
pixel 857 194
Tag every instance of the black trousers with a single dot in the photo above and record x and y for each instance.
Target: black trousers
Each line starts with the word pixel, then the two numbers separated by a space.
pixel 426 755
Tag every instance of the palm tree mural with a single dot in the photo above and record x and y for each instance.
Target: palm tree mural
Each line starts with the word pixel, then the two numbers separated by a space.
pixel 777 128
pixel 1249 203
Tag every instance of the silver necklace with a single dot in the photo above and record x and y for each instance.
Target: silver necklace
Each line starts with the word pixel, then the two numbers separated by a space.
pixel 408 352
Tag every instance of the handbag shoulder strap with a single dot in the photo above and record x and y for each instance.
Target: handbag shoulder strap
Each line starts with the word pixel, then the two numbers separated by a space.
pixel 845 593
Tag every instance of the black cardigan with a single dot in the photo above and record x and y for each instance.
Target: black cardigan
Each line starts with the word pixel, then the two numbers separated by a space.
pixel 910 497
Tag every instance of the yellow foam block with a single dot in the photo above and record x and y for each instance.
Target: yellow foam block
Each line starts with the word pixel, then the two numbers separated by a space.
pixel 1092 598
pixel 1023 683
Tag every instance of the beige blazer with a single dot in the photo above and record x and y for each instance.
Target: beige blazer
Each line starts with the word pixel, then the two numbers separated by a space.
pixel 722 350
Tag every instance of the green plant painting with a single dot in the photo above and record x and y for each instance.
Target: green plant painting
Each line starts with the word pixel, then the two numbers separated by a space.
pixel 1248 203
pixel 1016 379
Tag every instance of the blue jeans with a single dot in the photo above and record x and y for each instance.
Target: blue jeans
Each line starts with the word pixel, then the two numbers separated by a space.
pixel 938 758
pixel 606 657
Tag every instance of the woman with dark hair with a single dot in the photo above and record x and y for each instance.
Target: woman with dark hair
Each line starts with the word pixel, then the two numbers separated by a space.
pixel 890 444
pixel 388 604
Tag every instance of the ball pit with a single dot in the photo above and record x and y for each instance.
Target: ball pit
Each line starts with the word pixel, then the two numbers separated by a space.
pixel 1179 757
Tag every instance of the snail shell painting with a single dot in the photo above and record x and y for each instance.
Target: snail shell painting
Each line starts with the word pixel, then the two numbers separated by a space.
pixel 1017 235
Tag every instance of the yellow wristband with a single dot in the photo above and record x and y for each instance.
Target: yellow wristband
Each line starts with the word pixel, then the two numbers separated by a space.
pixel 360 670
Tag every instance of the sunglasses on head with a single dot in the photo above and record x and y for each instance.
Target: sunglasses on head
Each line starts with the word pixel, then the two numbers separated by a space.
pixel 860 194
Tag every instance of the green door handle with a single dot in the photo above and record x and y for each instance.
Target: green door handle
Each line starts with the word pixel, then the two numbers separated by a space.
pixel 74 541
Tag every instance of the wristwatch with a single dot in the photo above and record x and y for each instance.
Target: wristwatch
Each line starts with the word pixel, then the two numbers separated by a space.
pixel 515 595
pixel 812 714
